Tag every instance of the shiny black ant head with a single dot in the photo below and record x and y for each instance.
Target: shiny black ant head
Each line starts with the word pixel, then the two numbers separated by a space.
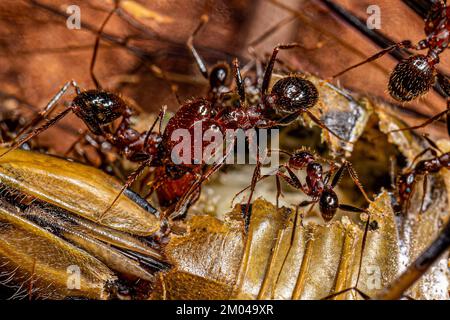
pixel 98 108
pixel 292 94
pixel 411 78
pixel 328 204
pixel 218 76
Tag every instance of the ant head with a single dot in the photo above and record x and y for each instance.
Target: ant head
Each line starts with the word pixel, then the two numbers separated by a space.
pixel 97 108
pixel 405 186
pixel 292 94
pixel 328 204
pixel 412 78
pixel 218 76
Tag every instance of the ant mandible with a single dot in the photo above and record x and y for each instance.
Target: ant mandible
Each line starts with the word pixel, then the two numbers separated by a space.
pixel 413 77
pixel 406 181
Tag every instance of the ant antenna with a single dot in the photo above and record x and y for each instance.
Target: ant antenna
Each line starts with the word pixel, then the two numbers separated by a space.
pixel 403 44
pixel 97 43
pixel 190 43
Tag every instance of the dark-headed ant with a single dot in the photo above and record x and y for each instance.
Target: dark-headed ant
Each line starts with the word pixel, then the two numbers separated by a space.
pixel 414 77
pixel 406 181
pixel 317 186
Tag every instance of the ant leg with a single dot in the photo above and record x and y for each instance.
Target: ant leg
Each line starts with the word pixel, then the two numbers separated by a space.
pixel 347 165
pixel 444 83
pixel 271 63
pixel 403 44
pixel 349 208
pixel 333 295
pixel 432 144
pixel 50 106
pixel 292 179
pixel 37 131
pixel 158 118
pixel 182 204
pixel 323 126
pixel 190 43
pixel 429 121
pixel 425 187
pixel 255 179
pixel 431 150
pixel 279 193
pixel 272 30
pixel 97 43
pixel 246 188
pixel 239 82
pixel 131 178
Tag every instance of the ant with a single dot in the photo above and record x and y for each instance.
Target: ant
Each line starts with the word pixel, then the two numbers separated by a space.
pixel 406 181
pixel 317 185
pixel 288 98
pixel 414 76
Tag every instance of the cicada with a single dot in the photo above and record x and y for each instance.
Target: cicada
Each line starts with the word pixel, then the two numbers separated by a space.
pixel 54 246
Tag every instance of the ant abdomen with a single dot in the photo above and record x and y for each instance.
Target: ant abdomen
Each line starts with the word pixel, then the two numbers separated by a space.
pixel 328 204
pixel 291 94
pixel 98 108
pixel 411 78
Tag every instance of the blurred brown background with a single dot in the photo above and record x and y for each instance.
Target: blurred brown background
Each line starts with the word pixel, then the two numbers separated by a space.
pixel 38 53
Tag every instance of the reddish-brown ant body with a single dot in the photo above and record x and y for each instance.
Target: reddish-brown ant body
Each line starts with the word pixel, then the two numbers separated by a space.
pixel 414 77
pixel 406 181
pixel 317 185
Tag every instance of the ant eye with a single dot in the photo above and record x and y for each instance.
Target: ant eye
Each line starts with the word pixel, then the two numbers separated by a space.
pixel 328 204
pixel 293 93
pixel 411 78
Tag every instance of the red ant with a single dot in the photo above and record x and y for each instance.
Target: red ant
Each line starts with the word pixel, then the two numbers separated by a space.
pixel 288 98
pixel 406 181
pixel 317 185
pixel 414 77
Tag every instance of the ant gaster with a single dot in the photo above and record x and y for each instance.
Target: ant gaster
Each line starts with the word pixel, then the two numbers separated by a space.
pixel 413 77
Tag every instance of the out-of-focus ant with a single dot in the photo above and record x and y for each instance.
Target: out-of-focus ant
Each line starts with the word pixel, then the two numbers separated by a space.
pixel 414 77
pixel 406 181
